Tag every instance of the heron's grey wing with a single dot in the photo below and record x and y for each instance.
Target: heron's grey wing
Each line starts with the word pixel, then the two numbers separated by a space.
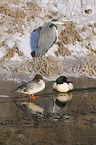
pixel 34 38
pixel 46 39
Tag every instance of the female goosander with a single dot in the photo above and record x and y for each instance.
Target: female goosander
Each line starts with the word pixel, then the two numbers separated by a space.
pixel 62 84
pixel 32 87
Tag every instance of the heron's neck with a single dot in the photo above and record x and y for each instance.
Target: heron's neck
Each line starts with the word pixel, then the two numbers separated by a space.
pixel 59 29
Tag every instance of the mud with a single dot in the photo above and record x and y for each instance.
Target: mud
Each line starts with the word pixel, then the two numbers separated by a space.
pixel 52 119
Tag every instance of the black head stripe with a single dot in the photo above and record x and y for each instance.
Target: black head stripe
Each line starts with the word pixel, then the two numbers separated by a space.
pixel 52 25
pixel 54 20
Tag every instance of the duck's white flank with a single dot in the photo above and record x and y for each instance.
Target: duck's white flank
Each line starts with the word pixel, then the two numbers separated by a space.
pixel 70 86
pixel 62 84
pixel 35 87
pixel 61 87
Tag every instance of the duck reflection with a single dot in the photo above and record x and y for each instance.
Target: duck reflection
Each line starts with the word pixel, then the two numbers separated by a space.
pixel 49 104
pixel 62 99
pixel 32 107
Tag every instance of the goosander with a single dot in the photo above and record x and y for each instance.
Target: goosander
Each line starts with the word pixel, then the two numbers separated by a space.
pixel 32 87
pixel 62 84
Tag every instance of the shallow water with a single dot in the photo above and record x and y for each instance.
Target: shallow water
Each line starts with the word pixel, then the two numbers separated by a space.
pixel 53 118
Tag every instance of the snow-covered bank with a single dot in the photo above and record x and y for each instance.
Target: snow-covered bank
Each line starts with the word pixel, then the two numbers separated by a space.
pixel 19 19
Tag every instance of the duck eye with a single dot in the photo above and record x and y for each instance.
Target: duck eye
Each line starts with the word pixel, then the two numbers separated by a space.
pixel 24 90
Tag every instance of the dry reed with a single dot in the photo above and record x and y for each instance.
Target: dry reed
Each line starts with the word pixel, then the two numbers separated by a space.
pixel 13 16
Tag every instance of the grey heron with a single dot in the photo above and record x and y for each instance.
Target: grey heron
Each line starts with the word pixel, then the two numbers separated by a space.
pixel 48 36
pixel 33 40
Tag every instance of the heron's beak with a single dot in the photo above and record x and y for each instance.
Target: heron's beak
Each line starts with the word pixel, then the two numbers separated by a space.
pixel 64 22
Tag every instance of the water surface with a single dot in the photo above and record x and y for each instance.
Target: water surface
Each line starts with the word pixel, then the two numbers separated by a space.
pixel 53 118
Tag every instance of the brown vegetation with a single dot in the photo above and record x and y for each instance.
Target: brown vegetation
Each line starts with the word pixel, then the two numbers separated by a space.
pixel 13 17
pixel 10 53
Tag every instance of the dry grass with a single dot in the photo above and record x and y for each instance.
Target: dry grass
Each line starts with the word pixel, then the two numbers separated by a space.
pixel 11 52
pixel 13 13
pixel 89 65
pixel 62 49
pixel 46 67
pixel 15 17
pixel 50 66
pixel 70 34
